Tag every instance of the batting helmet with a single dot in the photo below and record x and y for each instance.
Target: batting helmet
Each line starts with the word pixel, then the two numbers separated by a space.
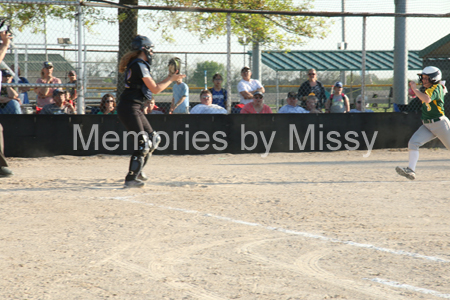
pixel 433 73
pixel 143 43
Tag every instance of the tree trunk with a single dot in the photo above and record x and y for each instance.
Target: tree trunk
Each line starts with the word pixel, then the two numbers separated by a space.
pixel 127 32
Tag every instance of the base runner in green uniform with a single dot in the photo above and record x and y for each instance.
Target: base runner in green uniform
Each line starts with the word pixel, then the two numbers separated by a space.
pixel 435 123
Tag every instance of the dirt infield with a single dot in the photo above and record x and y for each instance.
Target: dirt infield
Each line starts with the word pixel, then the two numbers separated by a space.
pixel 288 226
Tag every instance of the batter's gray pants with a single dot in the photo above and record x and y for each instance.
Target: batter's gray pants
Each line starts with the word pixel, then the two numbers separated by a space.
pixel 427 132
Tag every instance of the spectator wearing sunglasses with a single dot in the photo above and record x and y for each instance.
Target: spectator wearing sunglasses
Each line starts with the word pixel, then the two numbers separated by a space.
pixel 45 94
pixel 312 85
pixel 257 106
pixel 108 105
pixel 357 108
pixel 206 106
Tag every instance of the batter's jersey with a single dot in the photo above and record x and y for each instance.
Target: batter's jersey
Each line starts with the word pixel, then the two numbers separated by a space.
pixel 435 108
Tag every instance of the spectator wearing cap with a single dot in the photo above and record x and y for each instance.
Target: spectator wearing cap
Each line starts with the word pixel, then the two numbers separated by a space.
pixel 358 108
pixel 45 94
pixel 247 87
pixel 206 106
pixel 9 98
pixel 338 101
pixel 312 85
pixel 73 95
pixel 256 106
pixel 291 107
pixel 59 106
pixel 23 90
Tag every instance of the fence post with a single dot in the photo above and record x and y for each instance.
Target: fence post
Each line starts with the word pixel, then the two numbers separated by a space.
pixel 229 63
pixel 80 78
pixel 400 55
pixel 363 66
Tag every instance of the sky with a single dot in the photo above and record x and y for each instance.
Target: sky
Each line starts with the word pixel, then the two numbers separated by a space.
pixel 421 32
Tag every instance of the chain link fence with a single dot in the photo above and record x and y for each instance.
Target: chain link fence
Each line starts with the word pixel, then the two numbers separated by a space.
pixel 92 53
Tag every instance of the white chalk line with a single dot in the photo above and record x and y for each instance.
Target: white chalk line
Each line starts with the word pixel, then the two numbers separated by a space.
pixel 288 231
pixel 408 287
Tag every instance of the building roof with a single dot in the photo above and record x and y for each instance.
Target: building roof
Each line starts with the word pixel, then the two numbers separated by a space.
pixel 35 62
pixel 340 60
pixel 440 48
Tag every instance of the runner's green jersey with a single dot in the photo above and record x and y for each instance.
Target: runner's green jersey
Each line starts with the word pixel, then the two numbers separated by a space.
pixel 435 108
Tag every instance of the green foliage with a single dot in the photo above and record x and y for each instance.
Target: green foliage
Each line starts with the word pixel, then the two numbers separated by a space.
pixel 212 67
pixel 276 31
pixel 22 16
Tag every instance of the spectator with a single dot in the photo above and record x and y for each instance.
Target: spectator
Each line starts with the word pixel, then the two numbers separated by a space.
pixel 150 108
pixel 256 106
pixel 311 104
pixel 358 106
pixel 338 102
pixel 107 105
pixel 247 87
pixel 180 100
pixel 24 90
pixel 45 94
pixel 6 40
pixel 291 107
pixel 219 94
pixel 59 106
pixel 312 86
pixel 206 106
pixel 73 95
pixel 9 98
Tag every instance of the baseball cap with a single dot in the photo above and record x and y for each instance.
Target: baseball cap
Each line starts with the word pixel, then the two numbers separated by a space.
pixel 48 64
pixel 57 92
pixel 338 84
pixel 72 72
pixel 245 68
pixel 6 73
pixel 292 95
pixel 258 93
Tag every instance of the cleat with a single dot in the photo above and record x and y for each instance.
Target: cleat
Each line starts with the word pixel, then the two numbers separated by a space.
pixel 142 176
pixel 134 183
pixel 5 172
pixel 406 172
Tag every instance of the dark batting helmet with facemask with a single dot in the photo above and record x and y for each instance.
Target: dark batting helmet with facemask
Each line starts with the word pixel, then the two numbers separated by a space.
pixel 144 44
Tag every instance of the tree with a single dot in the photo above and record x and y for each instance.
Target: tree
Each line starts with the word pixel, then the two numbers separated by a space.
pixel 211 67
pixel 279 31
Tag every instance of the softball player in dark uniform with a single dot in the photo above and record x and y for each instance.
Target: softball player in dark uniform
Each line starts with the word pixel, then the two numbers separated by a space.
pixel 139 87
pixel 435 123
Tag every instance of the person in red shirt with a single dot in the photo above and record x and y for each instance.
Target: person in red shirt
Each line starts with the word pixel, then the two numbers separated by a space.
pixel 257 106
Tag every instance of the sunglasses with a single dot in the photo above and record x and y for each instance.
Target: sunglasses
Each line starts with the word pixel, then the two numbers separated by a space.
pixel 71 75
pixel 358 101
pixel 311 74
pixel 206 97
pixel 258 97
pixel 218 79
